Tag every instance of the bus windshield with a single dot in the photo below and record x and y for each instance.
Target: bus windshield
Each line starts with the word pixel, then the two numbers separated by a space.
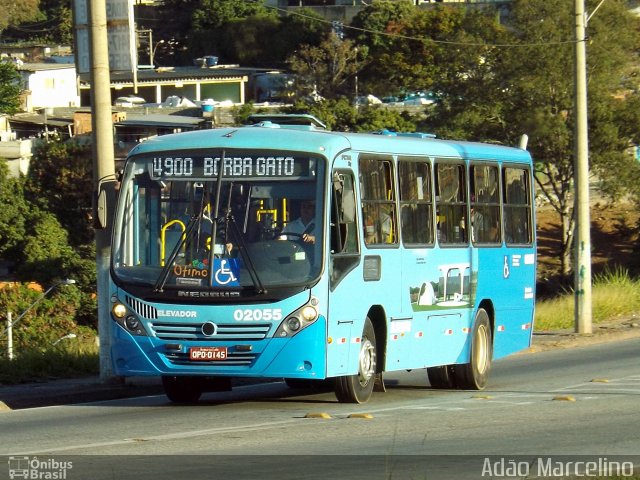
pixel 230 220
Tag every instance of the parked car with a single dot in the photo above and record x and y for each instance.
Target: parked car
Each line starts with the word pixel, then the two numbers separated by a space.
pixel 129 101
pixel 419 98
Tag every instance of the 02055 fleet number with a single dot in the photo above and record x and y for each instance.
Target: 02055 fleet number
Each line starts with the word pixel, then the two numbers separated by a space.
pixel 264 314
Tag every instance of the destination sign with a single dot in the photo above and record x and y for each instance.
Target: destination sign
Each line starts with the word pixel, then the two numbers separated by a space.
pixel 242 166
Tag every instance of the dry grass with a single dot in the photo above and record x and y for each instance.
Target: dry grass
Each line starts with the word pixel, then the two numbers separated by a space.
pixel 614 294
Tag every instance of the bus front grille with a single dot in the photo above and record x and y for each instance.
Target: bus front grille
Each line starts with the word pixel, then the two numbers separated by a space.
pixel 183 331
pixel 141 308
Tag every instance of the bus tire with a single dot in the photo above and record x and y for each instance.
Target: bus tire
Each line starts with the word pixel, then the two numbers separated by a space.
pixel 441 376
pixel 474 375
pixel 309 384
pixel 359 387
pixel 182 389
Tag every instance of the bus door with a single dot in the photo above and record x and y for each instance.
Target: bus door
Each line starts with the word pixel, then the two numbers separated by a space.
pixel 345 314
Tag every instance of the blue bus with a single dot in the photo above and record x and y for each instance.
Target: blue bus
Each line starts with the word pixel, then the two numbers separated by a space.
pixel 292 252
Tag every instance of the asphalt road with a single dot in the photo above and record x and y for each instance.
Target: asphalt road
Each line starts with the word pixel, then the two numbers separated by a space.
pixel 580 401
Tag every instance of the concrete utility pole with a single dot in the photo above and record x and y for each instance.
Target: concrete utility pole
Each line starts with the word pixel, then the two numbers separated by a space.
pixel 582 247
pixel 103 171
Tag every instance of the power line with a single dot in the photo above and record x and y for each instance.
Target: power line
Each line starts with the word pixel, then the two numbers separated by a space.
pixel 420 39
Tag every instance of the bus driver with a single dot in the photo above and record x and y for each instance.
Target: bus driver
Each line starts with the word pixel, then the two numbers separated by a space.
pixel 304 226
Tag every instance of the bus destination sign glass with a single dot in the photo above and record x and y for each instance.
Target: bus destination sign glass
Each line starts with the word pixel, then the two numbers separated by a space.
pixel 240 166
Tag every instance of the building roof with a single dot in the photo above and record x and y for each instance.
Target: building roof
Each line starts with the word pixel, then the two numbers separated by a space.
pixel 40 119
pixel 41 67
pixel 159 120
pixel 173 74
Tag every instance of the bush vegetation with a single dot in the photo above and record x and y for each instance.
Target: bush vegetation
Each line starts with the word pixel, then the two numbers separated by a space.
pixel 615 294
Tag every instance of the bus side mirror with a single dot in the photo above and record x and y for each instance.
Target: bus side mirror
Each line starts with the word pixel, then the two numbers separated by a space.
pixel 104 202
pixel 101 210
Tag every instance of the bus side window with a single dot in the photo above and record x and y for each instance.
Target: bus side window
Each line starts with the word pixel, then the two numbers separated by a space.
pixel 416 208
pixel 485 204
pixel 451 203
pixel 380 225
pixel 517 206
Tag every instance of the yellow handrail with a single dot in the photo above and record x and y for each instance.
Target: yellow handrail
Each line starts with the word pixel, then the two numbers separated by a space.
pixel 163 233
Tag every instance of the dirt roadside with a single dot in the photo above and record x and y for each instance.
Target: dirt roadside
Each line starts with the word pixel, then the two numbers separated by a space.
pixel 92 389
pixel 620 329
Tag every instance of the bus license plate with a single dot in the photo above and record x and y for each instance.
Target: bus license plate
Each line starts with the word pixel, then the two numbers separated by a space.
pixel 207 353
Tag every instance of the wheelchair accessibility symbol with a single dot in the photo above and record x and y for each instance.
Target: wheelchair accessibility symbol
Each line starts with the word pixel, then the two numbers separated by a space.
pixel 226 272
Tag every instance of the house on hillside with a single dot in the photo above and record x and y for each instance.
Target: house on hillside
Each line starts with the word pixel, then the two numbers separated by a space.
pixel 15 152
pixel 222 83
pixel 48 85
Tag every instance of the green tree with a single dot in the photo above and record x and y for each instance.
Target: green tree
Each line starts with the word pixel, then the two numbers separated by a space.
pixel 497 92
pixel 340 114
pixel 438 49
pixel 45 249
pixel 373 118
pixel 60 22
pixel 10 88
pixel 60 181
pixel 194 28
pixel 627 118
pixel 35 242
pixel 17 11
pixel 212 14
pixel 327 70
pixel 54 23
pixel 542 99
pixel 13 210
pixel 240 41
pixel 302 27
pixel 380 31
pixel 471 101
pixel 336 114
pixel 378 23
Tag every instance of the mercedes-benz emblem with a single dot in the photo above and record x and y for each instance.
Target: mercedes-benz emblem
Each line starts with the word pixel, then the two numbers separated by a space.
pixel 209 329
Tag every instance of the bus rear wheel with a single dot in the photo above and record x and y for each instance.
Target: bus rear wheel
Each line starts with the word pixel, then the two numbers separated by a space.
pixel 359 387
pixel 182 389
pixel 474 375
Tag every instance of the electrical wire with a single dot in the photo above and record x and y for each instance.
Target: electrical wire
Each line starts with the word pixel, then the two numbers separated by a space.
pixel 419 39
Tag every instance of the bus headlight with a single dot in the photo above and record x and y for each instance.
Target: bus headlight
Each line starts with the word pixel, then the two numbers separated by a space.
pixel 299 319
pixel 127 319
pixel 119 310
pixel 309 313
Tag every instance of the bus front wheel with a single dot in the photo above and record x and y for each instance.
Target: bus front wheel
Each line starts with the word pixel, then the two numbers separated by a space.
pixel 441 376
pixel 359 387
pixel 182 389
pixel 474 375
